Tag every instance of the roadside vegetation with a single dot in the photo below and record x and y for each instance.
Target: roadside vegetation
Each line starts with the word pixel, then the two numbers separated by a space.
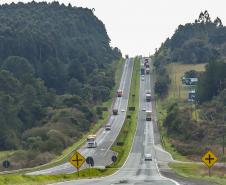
pixel 199 171
pixel 189 129
pixel 54 79
pixel 125 138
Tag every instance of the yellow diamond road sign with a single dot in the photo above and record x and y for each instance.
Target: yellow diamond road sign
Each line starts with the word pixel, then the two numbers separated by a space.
pixel 209 158
pixel 77 160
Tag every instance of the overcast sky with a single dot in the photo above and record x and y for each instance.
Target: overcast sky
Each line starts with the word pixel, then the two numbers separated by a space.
pixel 140 26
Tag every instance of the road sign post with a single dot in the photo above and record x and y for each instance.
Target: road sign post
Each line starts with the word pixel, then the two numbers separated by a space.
pixel 6 164
pixel 90 162
pixel 77 160
pixel 209 159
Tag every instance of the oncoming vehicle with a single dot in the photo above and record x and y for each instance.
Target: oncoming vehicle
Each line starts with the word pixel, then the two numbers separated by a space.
pixel 91 141
pixel 148 157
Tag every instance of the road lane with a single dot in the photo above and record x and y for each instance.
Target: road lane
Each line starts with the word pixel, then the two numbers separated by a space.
pixel 102 154
pixel 136 171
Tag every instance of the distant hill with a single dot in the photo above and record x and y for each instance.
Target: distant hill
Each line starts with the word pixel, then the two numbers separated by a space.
pixel 56 66
pixel 198 42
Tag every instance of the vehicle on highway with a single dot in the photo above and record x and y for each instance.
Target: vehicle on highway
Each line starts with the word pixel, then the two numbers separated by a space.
pixel 115 111
pixel 142 78
pixel 142 70
pixel 148 96
pixel 119 93
pixel 107 127
pixel 148 115
pixel 148 157
pixel 143 109
pixel 147 70
pixel 123 110
pixel 91 141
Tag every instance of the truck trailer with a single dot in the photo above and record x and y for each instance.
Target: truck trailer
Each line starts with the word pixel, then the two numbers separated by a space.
pixel 91 141
pixel 148 115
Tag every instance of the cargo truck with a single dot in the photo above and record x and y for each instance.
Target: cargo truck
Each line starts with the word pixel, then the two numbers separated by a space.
pixel 148 115
pixel 115 111
pixel 91 141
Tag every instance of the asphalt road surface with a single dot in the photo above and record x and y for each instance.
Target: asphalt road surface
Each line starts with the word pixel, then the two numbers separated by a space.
pixel 137 171
pixel 102 154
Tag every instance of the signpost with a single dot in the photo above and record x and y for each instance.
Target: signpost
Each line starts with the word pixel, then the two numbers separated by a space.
pixel 77 160
pixel 6 164
pixel 90 162
pixel 114 158
pixel 209 159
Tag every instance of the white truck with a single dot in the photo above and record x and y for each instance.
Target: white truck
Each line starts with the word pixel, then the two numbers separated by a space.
pixel 148 115
pixel 91 141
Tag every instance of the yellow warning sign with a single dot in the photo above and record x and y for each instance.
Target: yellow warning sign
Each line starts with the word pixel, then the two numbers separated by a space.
pixel 209 158
pixel 77 160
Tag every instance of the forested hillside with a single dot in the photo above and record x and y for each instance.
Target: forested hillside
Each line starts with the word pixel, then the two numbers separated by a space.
pixel 193 127
pixel 56 66
pixel 198 42
pixel 203 41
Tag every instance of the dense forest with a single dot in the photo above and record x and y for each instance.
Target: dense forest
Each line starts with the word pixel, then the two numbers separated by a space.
pixel 56 66
pixel 198 42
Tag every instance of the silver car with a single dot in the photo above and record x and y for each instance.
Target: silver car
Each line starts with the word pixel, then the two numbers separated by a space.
pixel 148 157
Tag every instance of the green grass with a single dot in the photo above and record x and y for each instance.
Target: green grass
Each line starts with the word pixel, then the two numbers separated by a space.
pixel 199 171
pixel 5 154
pixel 161 114
pixel 129 127
pixel 176 71
pixel 13 179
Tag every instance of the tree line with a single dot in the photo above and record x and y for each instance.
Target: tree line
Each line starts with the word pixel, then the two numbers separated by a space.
pixel 56 66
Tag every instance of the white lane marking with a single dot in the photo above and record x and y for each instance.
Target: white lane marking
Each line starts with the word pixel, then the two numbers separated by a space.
pixel 121 99
pixel 156 162
pixel 133 138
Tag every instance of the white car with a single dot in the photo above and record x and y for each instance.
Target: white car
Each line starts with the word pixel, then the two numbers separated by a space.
pixel 143 109
pixel 107 127
pixel 148 157
pixel 123 110
pixel 142 78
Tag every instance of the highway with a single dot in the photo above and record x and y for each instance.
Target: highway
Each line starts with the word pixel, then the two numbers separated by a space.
pixel 137 171
pixel 102 154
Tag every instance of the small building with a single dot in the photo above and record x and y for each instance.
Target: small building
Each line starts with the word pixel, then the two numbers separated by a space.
pixel 191 95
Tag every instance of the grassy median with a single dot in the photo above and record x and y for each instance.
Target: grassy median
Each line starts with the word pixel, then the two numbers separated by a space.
pixel 124 140
pixel 200 171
